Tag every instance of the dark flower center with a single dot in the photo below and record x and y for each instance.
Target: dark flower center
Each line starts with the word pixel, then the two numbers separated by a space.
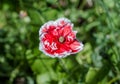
pixel 61 39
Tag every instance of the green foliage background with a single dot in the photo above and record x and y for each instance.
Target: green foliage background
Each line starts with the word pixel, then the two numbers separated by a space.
pixel 98 26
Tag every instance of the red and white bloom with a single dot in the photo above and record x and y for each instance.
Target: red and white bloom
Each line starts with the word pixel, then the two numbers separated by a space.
pixel 57 39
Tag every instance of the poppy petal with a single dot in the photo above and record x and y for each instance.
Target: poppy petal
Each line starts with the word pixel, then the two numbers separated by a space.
pixel 76 46
pixel 49 26
pixel 71 36
pixel 62 21
pixel 66 29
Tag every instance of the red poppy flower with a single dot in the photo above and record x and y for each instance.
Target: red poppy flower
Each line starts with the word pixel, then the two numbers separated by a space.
pixel 57 39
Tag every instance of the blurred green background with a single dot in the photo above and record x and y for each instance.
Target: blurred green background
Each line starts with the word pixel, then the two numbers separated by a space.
pixel 98 26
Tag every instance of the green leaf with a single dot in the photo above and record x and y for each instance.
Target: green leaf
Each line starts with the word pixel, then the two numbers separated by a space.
pixel 94 77
pixel 36 17
pixel 43 78
pixel 50 14
pixel 91 74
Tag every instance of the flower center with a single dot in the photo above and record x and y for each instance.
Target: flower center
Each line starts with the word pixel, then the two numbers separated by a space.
pixel 61 39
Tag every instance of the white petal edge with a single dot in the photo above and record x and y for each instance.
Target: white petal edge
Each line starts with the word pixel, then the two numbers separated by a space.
pixel 49 23
pixel 55 55
pixel 55 23
pixel 61 19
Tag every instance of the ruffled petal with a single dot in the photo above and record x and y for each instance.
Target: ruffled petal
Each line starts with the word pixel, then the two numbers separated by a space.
pixel 76 46
pixel 65 30
pixel 49 26
pixel 62 51
pixel 62 21
pixel 50 34
pixel 47 45
pixel 71 36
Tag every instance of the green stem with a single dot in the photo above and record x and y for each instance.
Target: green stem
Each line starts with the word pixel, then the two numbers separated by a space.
pixel 113 80
pixel 63 65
